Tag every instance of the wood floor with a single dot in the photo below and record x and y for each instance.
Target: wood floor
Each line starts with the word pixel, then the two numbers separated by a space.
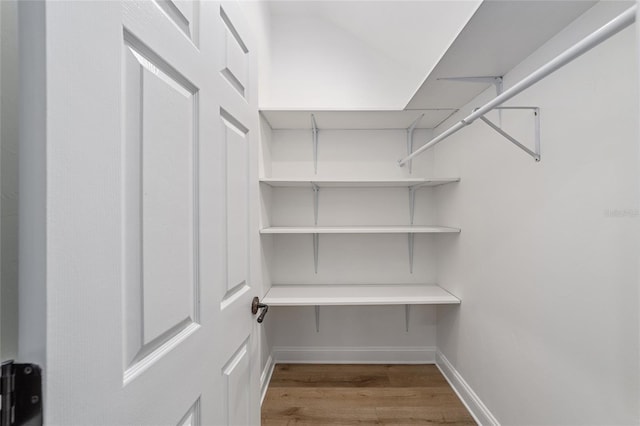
pixel 322 394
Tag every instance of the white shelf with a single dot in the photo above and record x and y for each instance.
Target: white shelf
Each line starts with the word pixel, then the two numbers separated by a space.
pixel 410 229
pixel 355 120
pixel 316 295
pixel 354 183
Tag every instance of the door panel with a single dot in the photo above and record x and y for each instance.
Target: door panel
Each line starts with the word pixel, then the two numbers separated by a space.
pixel 161 116
pixel 237 181
pixel 148 227
pixel 192 418
pixel 237 384
pixel 185 14
pixel 236 63
pixel 161 291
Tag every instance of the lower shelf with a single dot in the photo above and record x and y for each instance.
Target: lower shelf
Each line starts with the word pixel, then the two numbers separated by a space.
pixel 408 229
pixel 327 295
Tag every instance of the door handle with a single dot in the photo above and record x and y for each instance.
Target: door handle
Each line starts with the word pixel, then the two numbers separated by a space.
pixel 255 305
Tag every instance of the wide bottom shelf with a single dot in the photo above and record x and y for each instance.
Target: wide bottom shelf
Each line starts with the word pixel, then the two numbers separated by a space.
pixel 393 229
pixel 328 295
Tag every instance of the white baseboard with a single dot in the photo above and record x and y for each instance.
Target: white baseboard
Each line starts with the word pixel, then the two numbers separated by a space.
pixel 355 355
pixel 478 410
pixel 265 377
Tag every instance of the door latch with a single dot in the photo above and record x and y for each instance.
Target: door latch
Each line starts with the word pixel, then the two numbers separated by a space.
pixel 21 395
pixel 255 305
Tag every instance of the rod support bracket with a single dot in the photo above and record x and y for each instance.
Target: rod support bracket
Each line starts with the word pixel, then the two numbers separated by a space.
pixel 535 153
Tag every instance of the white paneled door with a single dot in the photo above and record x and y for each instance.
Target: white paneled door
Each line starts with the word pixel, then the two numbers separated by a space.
pixel 147 143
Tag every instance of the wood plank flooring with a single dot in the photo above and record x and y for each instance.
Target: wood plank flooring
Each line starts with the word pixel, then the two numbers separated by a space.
pixel 347 394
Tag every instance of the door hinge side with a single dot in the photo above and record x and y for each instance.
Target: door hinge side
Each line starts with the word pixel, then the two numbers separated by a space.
pixel 21 387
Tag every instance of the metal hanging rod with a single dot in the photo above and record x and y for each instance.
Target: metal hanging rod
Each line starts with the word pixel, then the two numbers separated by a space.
pixel 611 28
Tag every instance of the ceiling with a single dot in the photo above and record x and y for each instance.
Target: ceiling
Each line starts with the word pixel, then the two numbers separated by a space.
pixel 422 40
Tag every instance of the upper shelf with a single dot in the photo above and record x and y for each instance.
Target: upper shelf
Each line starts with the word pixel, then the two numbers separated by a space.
pixel 355 120
pixel 394 229
pixel 336 295
pixel 354 183
pixel 485 47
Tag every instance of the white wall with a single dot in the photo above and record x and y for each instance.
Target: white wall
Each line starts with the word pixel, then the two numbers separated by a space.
pixel 1 310
pixel 318 65
pixel 9 178
pixel 547 261
pixel 32 321
pixel 638 124
pixel 357 55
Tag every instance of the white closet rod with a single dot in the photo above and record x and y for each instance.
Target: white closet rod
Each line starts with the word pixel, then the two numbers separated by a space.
pixel 611 28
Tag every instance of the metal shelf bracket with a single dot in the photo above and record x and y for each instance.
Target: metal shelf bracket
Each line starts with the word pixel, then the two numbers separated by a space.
pixel 406 317
pixel 411 237
pixel 316 244
pixel 316 195
pixel 314 133
pixel 316 238
pixel 497 81
pixel 410 130
pixel 536 113
pixel 412 202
